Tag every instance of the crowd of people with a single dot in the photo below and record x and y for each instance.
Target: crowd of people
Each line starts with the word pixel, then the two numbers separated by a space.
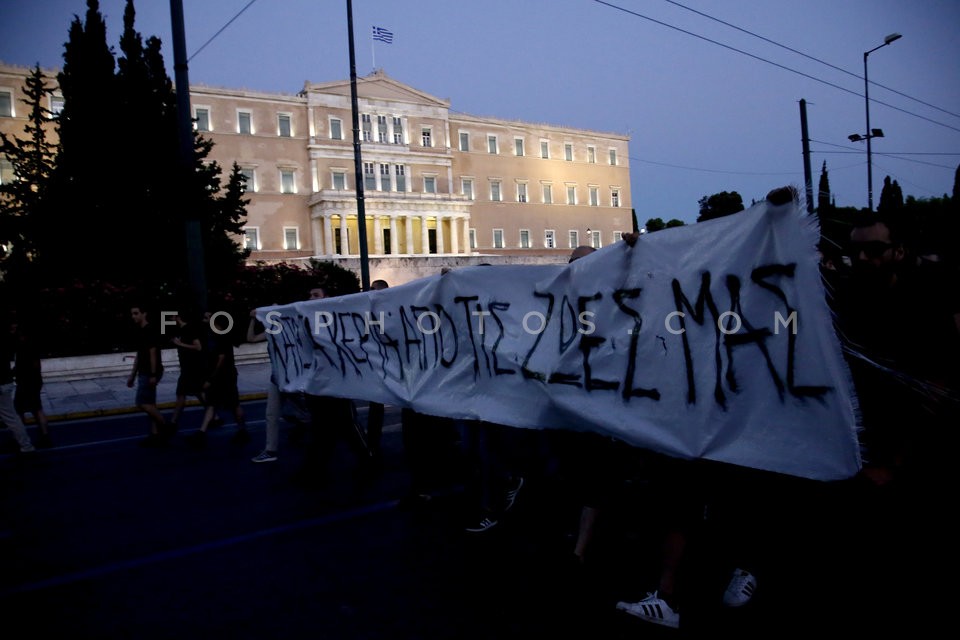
pixel 899 322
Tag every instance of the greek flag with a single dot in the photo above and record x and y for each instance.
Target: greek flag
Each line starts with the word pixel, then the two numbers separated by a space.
pixel 383 35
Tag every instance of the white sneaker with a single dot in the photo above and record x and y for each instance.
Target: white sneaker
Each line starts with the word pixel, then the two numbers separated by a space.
pixel 264 456
pixel 740 590
pixel 652 609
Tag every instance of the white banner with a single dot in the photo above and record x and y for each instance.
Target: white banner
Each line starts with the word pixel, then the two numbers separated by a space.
pixel 712 340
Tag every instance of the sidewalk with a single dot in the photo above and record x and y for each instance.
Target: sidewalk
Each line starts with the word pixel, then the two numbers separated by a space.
pixel 66 399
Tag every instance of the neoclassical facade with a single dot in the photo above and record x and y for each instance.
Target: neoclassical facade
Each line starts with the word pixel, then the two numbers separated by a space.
pixel 437 183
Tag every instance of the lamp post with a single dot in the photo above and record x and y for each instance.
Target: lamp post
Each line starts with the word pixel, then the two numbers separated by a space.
pixel 871 133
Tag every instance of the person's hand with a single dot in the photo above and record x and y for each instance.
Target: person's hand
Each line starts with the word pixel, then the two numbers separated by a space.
pixel 152 380
pixel 130 382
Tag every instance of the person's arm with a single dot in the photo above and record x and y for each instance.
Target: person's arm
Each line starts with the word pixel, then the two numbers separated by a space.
pixel 154 364
pixel 252 334
pixel 216 369
pixel 133 372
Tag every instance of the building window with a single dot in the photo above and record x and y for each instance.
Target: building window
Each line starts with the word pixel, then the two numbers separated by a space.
pixel 336 129
pixel 6 171
pixel 595 240
pixel 381 128
pixel 571 195
pixel 592 155
pixel 524 238
pixel 283 125
pixel 617 236
pixel 550 239
pixel 251 238
pixel 518 146
pixel 613 157
pixel 615 197
pixel 464 141
pixel 6 104
pixel 472 238
pixel 573 238
pixel 429 184
pixel 384 177
pixel 400 171
pixel 287 183
pixel 594 196
pixel 203 119
pixel 366 127
pixel 340 180
pixel 56 105
pixel 492 146
pixel 544 149
pixel 369 177
pixel 250 179
pixel 466 188
pixel 495 195
pixel 426 137
pixel 547 193
pixel 568 152
pixel 291 240
pixel 397 130
pixel 521 192
pixel 244 122
pixel 498 238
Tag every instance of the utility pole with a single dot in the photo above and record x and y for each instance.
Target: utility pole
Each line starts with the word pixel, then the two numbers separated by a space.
pixel 357 161
pixel 807 173
pixel 196 265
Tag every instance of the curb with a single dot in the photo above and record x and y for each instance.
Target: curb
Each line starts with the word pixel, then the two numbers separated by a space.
pixel 115 411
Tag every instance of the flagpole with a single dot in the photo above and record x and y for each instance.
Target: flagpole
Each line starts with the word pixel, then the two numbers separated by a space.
pixel 358 165
pixel 373 52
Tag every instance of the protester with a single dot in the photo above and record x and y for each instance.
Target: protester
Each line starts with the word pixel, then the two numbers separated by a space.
pixel 146 373
pixel 188 340
pixel 29 377
pixel 8 413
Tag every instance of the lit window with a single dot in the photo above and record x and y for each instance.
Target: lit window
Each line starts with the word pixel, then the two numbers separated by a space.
pixel 56 105
pixel 426 137
pixel 492 146
pixel 203 119
pixel 251 238
pixel 250 179
pixel 244 122
pixel 287 184
pixel 547 194
pixel 550 239
pixel 495 195
pixel 291 241
pixel 524 238
pixel 464 141
pixel 522 192
pixel 498 238
pixel 283 125
pixel 615 198
pixel 336 129
pixel 6 104
pixel 6 171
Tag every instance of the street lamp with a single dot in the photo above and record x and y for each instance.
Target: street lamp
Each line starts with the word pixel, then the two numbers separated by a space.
pixel 871 133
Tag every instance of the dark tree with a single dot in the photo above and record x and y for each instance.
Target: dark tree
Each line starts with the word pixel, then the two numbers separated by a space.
pixel 719 205
pixel 823 192
pixel 22 200
pixel 654 224
pixel 673 222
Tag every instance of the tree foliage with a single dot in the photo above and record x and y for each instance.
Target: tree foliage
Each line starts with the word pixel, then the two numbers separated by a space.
pixel 891 197
pixel 720 204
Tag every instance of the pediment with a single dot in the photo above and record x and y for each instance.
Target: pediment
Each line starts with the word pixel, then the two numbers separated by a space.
pixel 378 86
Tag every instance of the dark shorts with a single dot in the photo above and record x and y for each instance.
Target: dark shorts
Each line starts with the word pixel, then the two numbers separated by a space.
pixel 146 392
pixel 223 394
pixel 190 383
pixel 26 399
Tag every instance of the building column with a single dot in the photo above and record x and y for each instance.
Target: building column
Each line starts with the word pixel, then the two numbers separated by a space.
pixel 440 243
pixel 424 237
pixel 327 235
pixel 408 224
pixel 394 240
pixel 467 249
pixel 316 234
pixel 317 183
pixel 454 235
pixel 377 236
pixel 344 238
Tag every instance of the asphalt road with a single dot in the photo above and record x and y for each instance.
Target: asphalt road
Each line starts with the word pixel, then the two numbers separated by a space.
pixel 100 538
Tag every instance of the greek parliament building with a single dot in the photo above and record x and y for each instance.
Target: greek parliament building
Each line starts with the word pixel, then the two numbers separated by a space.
pixel 441 188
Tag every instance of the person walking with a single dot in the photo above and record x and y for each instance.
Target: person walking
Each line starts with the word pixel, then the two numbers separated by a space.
pixel 8 413
pixel 146 373
pixel 29 377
